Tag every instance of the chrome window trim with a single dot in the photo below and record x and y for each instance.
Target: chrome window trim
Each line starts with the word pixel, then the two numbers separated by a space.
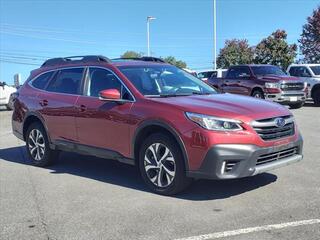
pixel 120 80
pixel 55 70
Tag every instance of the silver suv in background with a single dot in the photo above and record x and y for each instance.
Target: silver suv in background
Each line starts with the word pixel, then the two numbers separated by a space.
pixel 309 73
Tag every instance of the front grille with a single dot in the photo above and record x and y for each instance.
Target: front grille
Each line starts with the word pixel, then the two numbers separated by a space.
pixel 271 157
pixel 292 86
pixel 268 130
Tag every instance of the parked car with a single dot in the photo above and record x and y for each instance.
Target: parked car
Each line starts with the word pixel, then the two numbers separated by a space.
pixel 263 81
pixel 170 124
pixel 192 72
pixel 204 75
pixel 309 73
pixel 5 92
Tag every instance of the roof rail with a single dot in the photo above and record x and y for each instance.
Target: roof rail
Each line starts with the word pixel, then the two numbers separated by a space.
pixel 145 58
pixel 75 59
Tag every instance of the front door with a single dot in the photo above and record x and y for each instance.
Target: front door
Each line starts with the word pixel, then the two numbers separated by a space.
pixel 100 123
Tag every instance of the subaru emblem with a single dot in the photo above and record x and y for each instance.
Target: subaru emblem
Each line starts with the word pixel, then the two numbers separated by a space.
pixel 280 122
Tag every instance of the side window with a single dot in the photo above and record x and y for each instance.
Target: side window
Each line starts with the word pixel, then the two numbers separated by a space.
pixel 232 73
pixel 102 79
pixel 201 75
pixel 302 72
pixel 214 74
pixel 293 71
pixel 243 72
pixel 41 81
pixel 66 81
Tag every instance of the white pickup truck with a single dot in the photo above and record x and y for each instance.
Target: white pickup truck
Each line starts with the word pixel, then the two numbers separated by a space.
pixel 5 92
pixel 309 73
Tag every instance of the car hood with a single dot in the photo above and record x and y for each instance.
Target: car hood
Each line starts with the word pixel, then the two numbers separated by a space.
pixel 227 106
pixel 277 78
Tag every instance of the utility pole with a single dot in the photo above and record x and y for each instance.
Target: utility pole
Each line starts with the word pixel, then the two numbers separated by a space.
pixel 214 35
pixel 149 18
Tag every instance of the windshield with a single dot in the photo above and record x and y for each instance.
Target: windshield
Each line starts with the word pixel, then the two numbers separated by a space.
pixel 267 70
pixel 315 70
pixel 164 81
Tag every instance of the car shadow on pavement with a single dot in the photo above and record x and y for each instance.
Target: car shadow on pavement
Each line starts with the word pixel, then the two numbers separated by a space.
pixel 113 172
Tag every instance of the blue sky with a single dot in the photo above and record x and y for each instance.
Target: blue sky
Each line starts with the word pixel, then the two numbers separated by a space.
pixel 33 30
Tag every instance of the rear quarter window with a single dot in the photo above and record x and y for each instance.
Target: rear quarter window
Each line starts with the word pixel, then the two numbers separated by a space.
pixel 41 81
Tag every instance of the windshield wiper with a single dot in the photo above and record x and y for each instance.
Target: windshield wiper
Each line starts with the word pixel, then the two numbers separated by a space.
pixel 175 95
pixel 201 93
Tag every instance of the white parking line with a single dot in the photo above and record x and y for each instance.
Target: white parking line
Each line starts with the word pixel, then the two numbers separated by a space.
pixel 251 230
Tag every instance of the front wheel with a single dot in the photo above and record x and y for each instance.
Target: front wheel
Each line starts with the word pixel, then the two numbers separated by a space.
pixel 316 97
pixel 38 146
pixel 296 105
pixel 257 94
pixel 162 166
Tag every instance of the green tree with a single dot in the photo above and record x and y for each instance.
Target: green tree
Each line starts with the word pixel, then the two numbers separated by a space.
pixel 235 52
pixel 178 63
pixel 275 50
pixel 310 38
pixel 131 54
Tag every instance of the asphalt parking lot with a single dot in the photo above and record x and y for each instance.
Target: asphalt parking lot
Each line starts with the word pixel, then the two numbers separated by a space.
pixel 84 197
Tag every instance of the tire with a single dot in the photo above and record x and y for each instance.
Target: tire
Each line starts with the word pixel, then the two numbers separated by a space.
pixel 171 169
pixel 296 105
pixel 38 148
pixel 8 107
pixel 316 97
pixel 257 94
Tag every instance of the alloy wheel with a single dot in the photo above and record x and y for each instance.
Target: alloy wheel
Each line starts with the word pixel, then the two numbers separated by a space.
pixel 36 144
pixel 159 165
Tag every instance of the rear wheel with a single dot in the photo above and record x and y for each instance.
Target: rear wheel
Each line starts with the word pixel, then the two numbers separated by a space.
pixel 8 107
pixel 296 105
pixel 161 165
pixel 316 97
pixel 257 94
pixel 38 146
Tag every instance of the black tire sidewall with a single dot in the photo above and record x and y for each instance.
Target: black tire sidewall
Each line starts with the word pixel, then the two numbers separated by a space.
pixel 180 179
pixel 46 160
pixel 316 98
pixel 258 92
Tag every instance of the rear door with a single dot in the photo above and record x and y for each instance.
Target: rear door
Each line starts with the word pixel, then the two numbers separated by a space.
pixel 58 103
pixel 100 123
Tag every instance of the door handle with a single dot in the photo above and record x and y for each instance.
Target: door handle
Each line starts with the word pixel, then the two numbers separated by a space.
pixel 83 108
pixel 43 103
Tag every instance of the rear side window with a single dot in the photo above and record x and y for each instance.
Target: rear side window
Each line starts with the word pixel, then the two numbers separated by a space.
pixel 239 72
pixel 66 81
pixel 41 81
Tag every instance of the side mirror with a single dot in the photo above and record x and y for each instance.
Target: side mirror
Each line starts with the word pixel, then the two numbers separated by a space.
pixel 110 95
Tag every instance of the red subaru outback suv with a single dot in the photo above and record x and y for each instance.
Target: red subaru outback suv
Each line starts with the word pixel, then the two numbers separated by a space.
pixel 145 112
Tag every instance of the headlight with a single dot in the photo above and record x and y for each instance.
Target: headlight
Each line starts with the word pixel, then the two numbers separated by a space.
pixel 272 85
pixel 215 123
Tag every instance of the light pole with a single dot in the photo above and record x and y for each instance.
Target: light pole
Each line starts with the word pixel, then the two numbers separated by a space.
pixel 149 18
pixel 214 35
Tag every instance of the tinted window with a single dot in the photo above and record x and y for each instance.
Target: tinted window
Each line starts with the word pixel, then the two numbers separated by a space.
pixel 300 72
pixel 41 81
pixel 66 81
pixel 315 70
pixel 101 79
pixel 292 71
pixel 239 72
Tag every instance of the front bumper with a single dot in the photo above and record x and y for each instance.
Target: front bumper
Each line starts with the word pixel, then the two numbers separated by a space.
pixel 286 97
pixel 229 161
